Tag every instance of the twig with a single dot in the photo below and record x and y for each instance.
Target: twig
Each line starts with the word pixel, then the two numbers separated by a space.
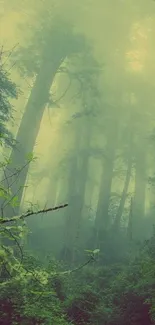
pixel 30 213
pixel 17 171
pixel 91 259
pixel 17 243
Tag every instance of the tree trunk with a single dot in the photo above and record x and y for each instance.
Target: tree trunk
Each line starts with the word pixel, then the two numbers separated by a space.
pixel 30 124
pixel 140 186
pixel 126 186
pixel 53 191
pixel 71 216
pixel 130 223
pixel 83 171
pixel 102 221
pixel 82 182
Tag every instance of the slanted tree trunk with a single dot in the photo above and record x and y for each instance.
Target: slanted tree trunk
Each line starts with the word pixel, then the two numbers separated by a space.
pixel 30 124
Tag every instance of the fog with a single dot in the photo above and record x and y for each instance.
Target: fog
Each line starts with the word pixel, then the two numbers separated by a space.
pixel 86 112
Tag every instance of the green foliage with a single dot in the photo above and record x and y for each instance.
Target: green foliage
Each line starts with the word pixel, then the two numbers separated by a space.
pixel 32 296
pixel 8 90
pixel 30 157
pixel 53 37
pixel 115 294
pixel 28 292
pixel 111 295
pixel 95 294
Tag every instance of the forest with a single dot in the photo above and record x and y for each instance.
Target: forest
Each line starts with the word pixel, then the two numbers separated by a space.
pixel 77 162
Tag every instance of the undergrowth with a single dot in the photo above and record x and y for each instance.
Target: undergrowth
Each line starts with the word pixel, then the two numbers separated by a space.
pixel 99 295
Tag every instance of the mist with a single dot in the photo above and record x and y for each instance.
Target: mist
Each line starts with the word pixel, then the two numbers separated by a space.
pixel 83 130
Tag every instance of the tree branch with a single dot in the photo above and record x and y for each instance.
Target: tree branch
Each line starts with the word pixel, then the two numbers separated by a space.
pixel 91 259
pixel 30 213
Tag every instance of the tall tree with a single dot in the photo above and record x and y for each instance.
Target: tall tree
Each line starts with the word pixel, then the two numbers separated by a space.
pixel 102 221
pixel 59 42
pixel 142 118
pixel 87 106
pixel 127 132
pixel 117 221
pixel 71 217
pixel 140 185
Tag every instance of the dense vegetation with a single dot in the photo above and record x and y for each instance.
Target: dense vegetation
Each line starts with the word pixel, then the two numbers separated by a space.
pixel 77 235
pixel 119 293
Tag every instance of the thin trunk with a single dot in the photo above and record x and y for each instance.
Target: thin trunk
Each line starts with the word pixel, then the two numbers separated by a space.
pixel 140 186
pixel 130 223
pixel 71 217
pixel 82 182
pixel 83 172
pixel 102 221
pixel 102 217
pixel 126 186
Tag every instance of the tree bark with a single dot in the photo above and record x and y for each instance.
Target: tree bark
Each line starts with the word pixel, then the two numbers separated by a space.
pixel 71 216
pixel 82 182
pixel 30 124
pixel 126 186
pixel 102 221
pixel 83 171
pixel 140 186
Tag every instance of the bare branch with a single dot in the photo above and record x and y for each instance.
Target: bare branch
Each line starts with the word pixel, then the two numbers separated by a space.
pixel 91 259
pixel 30 213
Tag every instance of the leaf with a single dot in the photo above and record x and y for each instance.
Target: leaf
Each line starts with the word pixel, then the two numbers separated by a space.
pixel 7 160
pixel 30 156
pixel 96 251
pixel 88 251
pixel 3 193
pixel 8 228
pixel 20 228
pixel 14 201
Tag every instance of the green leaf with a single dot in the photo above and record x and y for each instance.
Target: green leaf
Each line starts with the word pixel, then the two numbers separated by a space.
pixel 20 228
pixel 8 227
pixel 7 160
pixel 88 251
pixel 29 156
pixel 96 251
pixel 3 193
pixel 14 201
